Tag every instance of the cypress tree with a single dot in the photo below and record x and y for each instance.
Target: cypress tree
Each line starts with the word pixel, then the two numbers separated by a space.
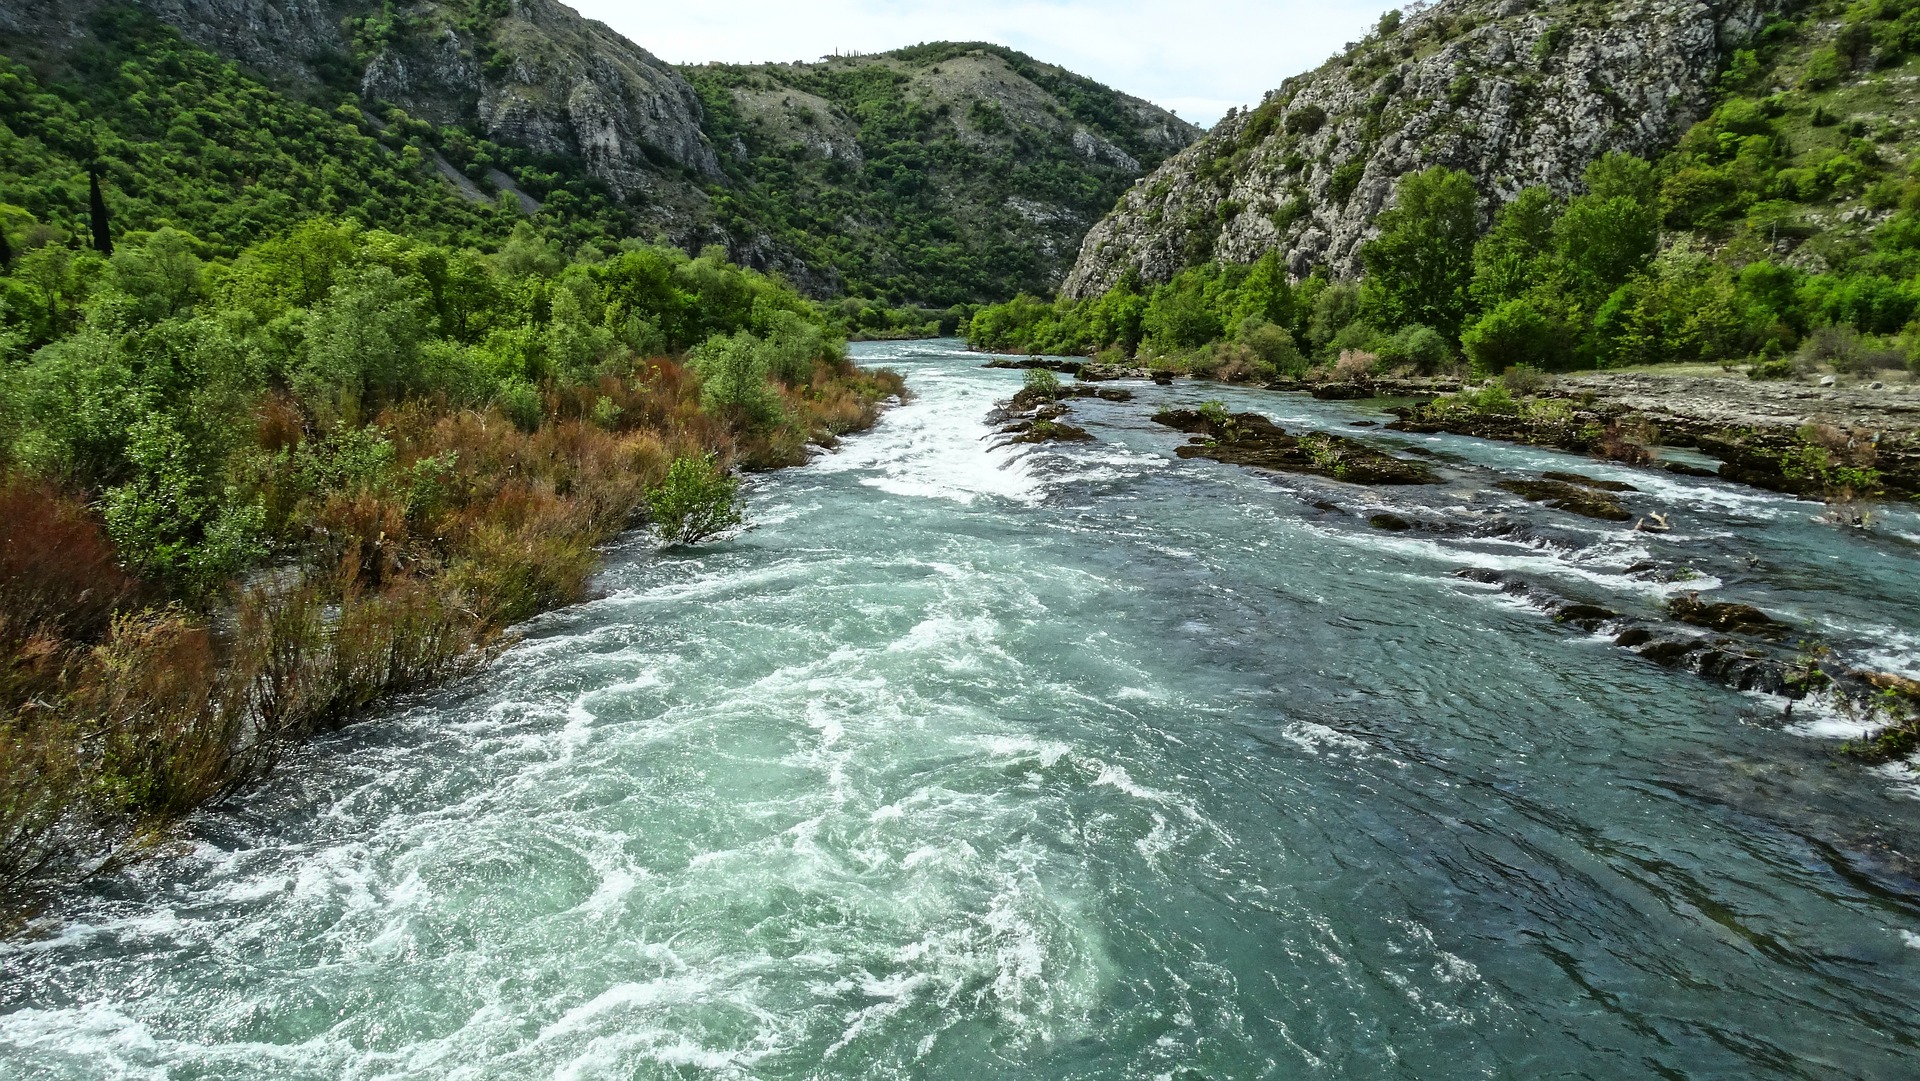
pixel 97 207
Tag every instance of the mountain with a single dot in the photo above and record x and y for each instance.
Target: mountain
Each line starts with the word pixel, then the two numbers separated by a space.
pixel 938 174
pixel 1513 93
pixel 941 173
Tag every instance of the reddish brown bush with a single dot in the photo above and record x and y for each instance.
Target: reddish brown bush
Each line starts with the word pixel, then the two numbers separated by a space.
pixel 57 571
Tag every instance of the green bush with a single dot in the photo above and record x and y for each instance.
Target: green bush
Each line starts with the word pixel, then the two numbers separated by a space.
pixel 695 502
pixel 1421 348
pixel 733 379
pixel 1516 332
pixel 1041 383
pixel 519 401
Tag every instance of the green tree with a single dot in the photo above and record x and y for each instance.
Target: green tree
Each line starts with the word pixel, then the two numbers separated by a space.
pixel 733 371
pixel 363 343
pixel 1516 254
pixel 1420 265
pixel 695 502
pixel 1516 332
pixel 1609 234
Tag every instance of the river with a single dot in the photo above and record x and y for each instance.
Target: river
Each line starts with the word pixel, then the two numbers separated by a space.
pixel 1078 761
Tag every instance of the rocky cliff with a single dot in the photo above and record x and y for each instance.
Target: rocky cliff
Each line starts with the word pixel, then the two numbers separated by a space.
pixel 1515 93
pixel 531 74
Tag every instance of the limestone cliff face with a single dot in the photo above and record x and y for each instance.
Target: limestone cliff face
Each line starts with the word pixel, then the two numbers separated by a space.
pixel 1514 93
pixel 543 78
pixel 526 73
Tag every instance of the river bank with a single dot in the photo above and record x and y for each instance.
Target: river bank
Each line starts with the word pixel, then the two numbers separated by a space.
pixel 465 525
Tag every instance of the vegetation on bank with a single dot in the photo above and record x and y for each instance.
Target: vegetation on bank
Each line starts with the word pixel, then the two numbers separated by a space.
pixel 242 499
pixel 1781 233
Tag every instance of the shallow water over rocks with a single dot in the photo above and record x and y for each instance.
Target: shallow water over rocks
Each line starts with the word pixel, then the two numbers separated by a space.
pixel 1069 761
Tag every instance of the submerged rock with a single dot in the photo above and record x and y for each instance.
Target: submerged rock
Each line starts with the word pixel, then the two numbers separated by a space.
pixel 1726 618
pixel 1106 373
pixel 1585 481
pixel 1585 616
pixel 1045 431
pixel 1052 364
pixel 1105 394
pixel 1572 498
pixel 1392 523
pixel 1250 439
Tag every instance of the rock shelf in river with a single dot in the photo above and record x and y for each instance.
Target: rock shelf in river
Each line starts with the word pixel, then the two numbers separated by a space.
pixel 1250 439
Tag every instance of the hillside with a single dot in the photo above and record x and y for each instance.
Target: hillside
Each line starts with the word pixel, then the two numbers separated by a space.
pixel 941 173
pixel 1605 185
pixel 934 175
pixel 1514 94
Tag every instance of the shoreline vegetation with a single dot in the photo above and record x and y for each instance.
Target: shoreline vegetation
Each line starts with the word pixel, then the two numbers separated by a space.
pixel 243 501
pixel 1600 282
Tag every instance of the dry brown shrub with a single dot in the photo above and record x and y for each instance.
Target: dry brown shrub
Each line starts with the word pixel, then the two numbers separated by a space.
pixel 168 718
pixel 1354 366
pixel 57 571
pixel 364 535
pixel 41 796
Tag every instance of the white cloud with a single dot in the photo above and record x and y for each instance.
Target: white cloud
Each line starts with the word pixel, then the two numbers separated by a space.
pixel 1199 57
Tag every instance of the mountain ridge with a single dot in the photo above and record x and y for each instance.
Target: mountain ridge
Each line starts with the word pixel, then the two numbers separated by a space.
pixel 1513 93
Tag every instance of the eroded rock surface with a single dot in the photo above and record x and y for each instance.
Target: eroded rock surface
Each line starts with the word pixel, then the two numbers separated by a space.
pixel 1514 93
pixel 1250 439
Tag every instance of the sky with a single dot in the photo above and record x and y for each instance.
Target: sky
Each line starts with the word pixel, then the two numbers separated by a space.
pixel 1196 57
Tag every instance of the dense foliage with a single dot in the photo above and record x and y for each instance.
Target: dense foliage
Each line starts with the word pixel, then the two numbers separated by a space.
pixel 1785 225
pixel 903 195
pixel 181 138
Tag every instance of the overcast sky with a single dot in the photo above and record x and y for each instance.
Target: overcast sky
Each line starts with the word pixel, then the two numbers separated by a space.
pixel 1197 57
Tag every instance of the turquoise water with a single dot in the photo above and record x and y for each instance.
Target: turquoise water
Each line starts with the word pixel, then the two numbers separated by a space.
pixel 1070 762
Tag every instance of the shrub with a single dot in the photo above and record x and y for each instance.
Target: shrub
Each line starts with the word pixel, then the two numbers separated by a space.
pixel 1524 380
pixel 1273 346
pixel 1355 365
pixel 519 401
pixel 1041 383
pixel 733 372
pixel 1421 348
pixel 57 572
pixel 1516 332
pixel 696 502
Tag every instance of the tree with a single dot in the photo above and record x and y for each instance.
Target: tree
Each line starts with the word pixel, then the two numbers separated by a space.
pixel 695 502
pixel 1609 234
pixel 733 379
pixel 1517 332
pixel 1516 253
pixel 1420 265
pixel 97 213
pixel 363 341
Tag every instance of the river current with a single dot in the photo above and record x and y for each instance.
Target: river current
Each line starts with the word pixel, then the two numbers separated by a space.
pixel 1078 761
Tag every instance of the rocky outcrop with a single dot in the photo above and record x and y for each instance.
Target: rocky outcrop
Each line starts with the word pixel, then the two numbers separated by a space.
pixel 544 78
pixel 1250 439
pixel 1013 158
pixel 537 76
pixel 1514 93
